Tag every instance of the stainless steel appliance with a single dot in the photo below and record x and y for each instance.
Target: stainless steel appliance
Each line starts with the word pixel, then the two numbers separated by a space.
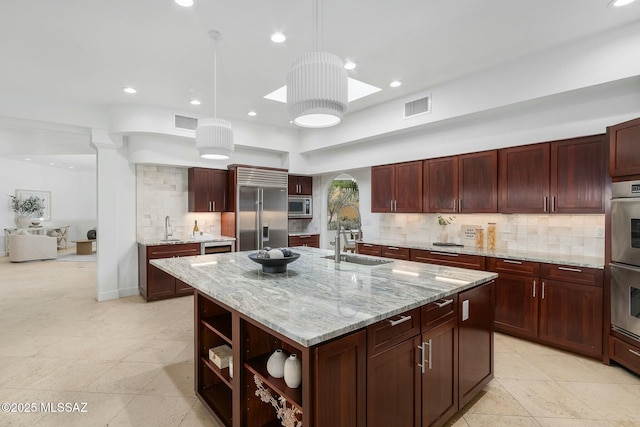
pixel 216 247
pixel 300 207
pixel 625 257
pixel 261 208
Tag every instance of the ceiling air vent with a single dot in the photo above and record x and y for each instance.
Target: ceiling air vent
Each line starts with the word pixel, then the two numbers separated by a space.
pixel 417 107
pixel 184 122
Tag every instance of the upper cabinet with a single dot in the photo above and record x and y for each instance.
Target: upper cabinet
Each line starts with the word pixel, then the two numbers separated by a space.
pixel 567 176
pixel 300 185
pixel 207 190
pixel 464 184
pixel 624 140
pixel 397 187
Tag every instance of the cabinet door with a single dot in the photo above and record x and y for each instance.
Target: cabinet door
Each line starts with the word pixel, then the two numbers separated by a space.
pixel 624 156
pixel 408 187
pixel 440 378
pixel 182 288
pixel 369 249
pixel 341 382
pixel 382 184
pixel 571 317
pixel 305 185
pixel 218 191
pixel 440 185
pixel 475 340
pixel 478 182
pixel 292 187
pixel 393 386
pixel 524 179
pixel 159 284
pixel 579 175
pixel 516 310
pixel 199 188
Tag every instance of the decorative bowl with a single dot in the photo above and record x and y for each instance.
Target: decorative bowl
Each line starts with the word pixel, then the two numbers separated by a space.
pixel 274 265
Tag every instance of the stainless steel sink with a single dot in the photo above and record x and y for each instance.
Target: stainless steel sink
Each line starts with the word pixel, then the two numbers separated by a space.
pixel 355 259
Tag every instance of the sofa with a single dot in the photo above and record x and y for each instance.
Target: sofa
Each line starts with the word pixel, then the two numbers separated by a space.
pixel 29 247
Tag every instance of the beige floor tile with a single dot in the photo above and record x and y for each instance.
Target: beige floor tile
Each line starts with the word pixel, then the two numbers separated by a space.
pixel 163 351
pixel 155 411
pixel 100 409
pixel 73 375
pixel 481 420
pixel 126 377
pixel 18 345
pixel 186 355
pixel 199 416
pixel 26 371
pixel 515 366
pixel 496 401
pixel 174 380
pixel 91 348
pixel 611 401
pixel 565 367
pixel 547 398
pixel 570 422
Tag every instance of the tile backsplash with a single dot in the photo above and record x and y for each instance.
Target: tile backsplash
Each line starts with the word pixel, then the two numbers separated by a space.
pixel 162 191
pixel 561 234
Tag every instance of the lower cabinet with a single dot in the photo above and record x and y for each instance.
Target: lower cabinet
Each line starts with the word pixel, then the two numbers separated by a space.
pixel 155 284
pixel 310 240
pixel 369 249
pixel 449 259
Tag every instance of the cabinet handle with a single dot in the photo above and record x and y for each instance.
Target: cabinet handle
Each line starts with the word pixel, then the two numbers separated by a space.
pixel 421 364
pixel 543 290
pixel 210 206
pixel 534 289
pixel 402 319
pixel 366 245
pixel 460 205
pixel 444 253
pixel 634 352
pixel 422 348
pixel 303 237
pixel 454 205
pixel 444 304
pixel 510 261
pixel 214 206
pixel 553 203
pixel 546 199
pixel 393 248
pixel 575 270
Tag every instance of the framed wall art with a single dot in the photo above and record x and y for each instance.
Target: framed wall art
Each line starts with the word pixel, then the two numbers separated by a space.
pixel 45 196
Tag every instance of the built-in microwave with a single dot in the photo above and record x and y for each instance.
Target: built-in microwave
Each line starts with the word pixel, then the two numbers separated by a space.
pixel 300 206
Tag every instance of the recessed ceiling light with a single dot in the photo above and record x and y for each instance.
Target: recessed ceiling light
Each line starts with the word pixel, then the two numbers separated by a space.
pixel 51 163
pixel 349 65
pixel 195 102
pixel 185 3
pixel 618 3
pixel 252 113
pixel 70 167
pixel 28 158
pixel 278 37
pixel 395 83
pixel 129 90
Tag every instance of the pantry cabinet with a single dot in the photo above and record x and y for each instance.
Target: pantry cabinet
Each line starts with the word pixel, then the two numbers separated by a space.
pixel 397 187
pixel 567 176
pixel 624 156
pixel 207 190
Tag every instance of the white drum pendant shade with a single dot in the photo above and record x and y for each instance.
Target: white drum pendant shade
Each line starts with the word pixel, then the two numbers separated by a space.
pixel 317 90
pixel 214 138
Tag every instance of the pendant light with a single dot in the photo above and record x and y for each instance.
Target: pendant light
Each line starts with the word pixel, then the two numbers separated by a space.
pixel 214 136
pixel 317 84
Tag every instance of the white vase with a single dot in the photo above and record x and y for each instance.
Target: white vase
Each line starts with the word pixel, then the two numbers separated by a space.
pixel 23 221
pixel 275 364
pixel 444 235
pixel 293 371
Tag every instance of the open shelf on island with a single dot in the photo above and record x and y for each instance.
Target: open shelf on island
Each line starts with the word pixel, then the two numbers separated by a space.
pixel 258 366
pixel 220 325
pixel 223 373
pixel 218 398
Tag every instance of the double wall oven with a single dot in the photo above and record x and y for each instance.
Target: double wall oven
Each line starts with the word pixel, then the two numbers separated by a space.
pixel 625 257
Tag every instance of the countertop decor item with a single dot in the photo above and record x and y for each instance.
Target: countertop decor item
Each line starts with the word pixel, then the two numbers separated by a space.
pixel 293 371
pixel 491 236
pixel 275 363
pixel 274 265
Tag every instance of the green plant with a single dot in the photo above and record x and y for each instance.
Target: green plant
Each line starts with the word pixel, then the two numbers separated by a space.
pixel 445 221
pixel 28 206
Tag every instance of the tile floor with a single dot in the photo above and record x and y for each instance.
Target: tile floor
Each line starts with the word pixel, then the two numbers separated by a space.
pixel 132 363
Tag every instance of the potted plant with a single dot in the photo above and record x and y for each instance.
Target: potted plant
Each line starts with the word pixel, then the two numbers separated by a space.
pixel 443 222
pixel 26 210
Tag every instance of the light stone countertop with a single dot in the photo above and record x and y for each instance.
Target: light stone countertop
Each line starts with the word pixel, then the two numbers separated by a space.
pixel 158 242
pixel 546 257
pixel 316 299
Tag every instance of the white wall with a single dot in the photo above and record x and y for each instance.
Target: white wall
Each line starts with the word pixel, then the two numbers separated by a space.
pixel 73 194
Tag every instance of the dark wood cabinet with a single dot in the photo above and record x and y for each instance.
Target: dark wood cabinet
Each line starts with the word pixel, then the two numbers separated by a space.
pixel 310 240
pixel 475 340
pixel 395 252
pixel 207 190
pixel 369 249
pixel 625 353
pixel 449 259
pixel 397 187
pixel 567 176
pixel 571 309
pixel 155 284
pixel 300 185
pixel 624 156
pixel 466 184
pixel 517 288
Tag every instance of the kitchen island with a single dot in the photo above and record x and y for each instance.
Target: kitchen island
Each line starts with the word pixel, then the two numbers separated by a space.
pixel 359 330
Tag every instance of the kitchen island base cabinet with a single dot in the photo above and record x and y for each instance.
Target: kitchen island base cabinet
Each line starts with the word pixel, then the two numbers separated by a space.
pixel 155 284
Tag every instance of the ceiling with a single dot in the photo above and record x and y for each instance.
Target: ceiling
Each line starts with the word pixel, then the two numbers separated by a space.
pixel 86 51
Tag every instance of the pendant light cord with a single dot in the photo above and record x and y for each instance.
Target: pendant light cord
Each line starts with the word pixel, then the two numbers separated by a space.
pixel 215 35
pixel 318 18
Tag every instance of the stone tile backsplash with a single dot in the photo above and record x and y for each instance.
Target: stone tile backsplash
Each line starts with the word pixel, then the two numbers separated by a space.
pixel 162 191
pixel 561 234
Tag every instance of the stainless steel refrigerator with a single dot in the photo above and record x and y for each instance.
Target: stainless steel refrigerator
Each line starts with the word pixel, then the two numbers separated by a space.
pixel 261 209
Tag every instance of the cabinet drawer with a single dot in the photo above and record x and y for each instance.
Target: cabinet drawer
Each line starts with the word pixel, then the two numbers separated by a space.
pixel 438 312
pixel 449 259
pixel 168 251
pixel 369 249
pixel 577 275
pixel 395 252
pixel 625 354
pixel 310 240
pixel 513 266
pixel 396 329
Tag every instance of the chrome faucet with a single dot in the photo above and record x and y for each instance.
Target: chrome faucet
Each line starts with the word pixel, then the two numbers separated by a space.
pixel 337 241
pixel 167 228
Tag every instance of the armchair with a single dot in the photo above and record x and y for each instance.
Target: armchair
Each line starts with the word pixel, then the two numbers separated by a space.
pixel 29 247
